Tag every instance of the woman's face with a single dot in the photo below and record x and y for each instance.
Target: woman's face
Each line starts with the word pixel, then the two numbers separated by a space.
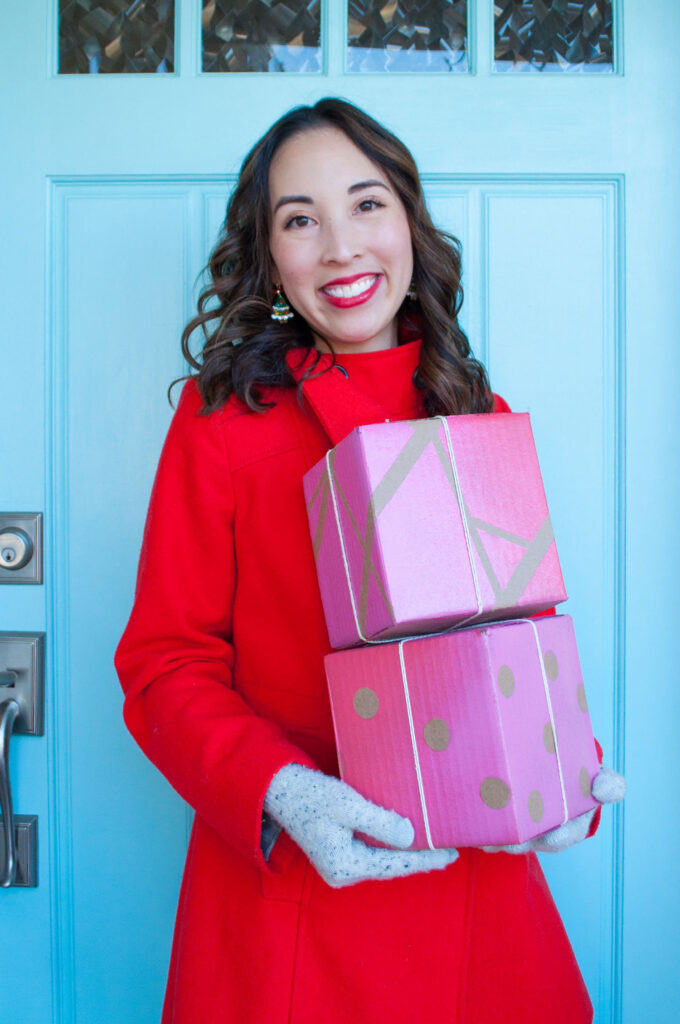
pixel 340 240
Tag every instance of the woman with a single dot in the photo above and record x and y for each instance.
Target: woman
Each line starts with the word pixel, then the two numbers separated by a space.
pixel 333 303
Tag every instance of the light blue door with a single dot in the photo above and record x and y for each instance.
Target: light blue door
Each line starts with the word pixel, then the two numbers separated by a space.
pixel 562 187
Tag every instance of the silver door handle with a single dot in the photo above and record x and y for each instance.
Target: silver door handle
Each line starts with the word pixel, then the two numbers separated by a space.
pixel 21 711
pixel 9 709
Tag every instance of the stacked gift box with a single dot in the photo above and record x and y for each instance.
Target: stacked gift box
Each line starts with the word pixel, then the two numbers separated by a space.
pixel 433 547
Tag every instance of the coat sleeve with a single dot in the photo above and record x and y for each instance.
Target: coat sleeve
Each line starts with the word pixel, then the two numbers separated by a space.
pixel 175 658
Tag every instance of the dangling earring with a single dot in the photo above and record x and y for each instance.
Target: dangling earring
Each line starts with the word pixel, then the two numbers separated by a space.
pixel 281 311
pixel 412 294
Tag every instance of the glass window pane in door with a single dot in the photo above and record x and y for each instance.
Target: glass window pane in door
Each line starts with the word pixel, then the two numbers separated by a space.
pixel 553 35
pixel 261 35
pixel 103 37
pixel 407 35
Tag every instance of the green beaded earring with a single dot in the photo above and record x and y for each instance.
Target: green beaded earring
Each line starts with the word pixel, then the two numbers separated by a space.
pixel 281 311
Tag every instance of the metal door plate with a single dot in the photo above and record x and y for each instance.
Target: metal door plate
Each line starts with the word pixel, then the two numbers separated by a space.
pixel 30 523
pixel 23 654
pixel 26 832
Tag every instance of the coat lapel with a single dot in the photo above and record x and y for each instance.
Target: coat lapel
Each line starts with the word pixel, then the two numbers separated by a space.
pixel 338 405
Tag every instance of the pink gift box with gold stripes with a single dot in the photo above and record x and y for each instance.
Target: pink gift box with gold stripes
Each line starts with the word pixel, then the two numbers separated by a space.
pixel 480 736
pixel 421 525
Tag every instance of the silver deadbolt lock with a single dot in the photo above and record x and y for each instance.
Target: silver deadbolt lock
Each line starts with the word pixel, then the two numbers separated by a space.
pixel 21 547
pixel 16 548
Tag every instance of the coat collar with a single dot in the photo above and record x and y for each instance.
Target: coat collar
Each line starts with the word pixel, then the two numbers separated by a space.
pixel 337 404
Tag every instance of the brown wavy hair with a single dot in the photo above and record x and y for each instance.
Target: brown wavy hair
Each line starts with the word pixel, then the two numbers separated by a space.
pixel 244 349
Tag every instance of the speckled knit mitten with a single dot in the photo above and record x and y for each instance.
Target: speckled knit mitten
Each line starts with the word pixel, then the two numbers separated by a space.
pixel 321 814
pixel 608 788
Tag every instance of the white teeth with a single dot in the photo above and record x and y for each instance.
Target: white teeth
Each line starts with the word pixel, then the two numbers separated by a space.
pixel 348 291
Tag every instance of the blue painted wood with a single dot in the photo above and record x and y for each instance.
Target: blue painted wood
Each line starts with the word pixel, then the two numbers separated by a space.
pixel 116 241
pixel 560 190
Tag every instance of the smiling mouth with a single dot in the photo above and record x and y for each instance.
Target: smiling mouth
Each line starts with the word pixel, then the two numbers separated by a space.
pixel 352 293
pixel 348 291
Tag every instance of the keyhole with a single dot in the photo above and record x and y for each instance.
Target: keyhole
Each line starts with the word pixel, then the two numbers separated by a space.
pixel 18 548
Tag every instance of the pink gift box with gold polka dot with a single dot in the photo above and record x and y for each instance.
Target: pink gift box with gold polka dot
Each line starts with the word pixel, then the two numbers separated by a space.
pixel 423 524
pixel 480 736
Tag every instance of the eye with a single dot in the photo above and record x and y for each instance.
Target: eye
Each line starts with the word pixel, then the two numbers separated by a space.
pixel 366 205
pixel 300 220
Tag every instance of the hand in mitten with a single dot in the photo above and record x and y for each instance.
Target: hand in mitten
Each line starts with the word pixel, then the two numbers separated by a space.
pixel 608 787
pixel 321 814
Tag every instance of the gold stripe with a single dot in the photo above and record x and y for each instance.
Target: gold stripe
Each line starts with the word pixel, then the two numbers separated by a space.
pixel 366 567
pixel 532 558
pixel 404 462
pixel 367 552
pixel 497 531
pixel 321 521
pixel 322 481
pixel 445 460
pixel 485 561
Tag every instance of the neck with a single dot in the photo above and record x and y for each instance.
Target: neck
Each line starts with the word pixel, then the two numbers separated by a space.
pixel 384 340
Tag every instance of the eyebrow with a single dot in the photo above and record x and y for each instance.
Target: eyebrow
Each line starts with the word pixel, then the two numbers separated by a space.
pixel 371 183
pixel 358 187
pixel 292 199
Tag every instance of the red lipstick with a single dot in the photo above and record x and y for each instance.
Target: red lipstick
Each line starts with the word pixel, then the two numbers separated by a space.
pixel 347 301
pixel 347 280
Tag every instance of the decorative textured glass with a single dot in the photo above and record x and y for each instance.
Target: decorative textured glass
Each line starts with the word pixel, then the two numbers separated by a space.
pixel 553 35
pixel 407 35
pixel 116 36
pixel 261 35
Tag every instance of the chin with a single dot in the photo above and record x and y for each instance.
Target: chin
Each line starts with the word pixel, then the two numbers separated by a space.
pixel 360 345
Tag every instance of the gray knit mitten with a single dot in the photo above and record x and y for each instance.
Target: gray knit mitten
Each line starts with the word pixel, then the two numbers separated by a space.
pixel 321 814
pixel 608 788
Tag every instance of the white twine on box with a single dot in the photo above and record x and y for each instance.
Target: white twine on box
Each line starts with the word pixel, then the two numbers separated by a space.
pixel 546 687
pixel 412 730
pixel 466 530
pixel 466 525
pixel 414 744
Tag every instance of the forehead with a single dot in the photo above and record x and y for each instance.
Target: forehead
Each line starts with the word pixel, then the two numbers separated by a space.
pixel 317 159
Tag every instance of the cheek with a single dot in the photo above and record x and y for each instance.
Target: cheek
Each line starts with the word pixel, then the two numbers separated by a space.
pixel 398 246
pixel 294 263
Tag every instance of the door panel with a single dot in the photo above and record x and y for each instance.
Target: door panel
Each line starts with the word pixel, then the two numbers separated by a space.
pixel 121 244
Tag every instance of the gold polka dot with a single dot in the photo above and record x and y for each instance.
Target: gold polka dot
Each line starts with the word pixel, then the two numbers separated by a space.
pixel 551 667
pixel 584 782
pixel 506 680
pixel 581 697
pixel 549 738
pixel 494 792
pixel 437 735
pixel 366 702
pixel 535 805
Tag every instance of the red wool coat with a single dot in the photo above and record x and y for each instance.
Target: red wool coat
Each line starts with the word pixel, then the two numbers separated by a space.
pixel 222 668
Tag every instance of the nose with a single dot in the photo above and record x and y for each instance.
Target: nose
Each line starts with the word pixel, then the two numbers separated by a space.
pixel 341 242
